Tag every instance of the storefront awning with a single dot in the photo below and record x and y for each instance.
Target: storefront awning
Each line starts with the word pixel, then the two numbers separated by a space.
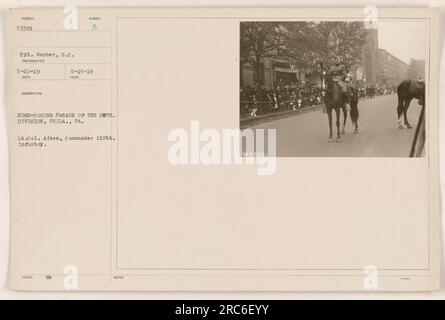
pixel 286 70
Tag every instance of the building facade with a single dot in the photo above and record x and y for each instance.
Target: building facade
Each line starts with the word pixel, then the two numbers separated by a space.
pixel 391 70
pixel 273 70
pixel 366 71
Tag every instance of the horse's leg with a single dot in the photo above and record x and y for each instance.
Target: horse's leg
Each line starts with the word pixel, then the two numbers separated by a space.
pixel 400 108
pixel 356 122
pixel 345 117
pixel 405 110
pixel 337 113
pixel 329 112
pixel 354 115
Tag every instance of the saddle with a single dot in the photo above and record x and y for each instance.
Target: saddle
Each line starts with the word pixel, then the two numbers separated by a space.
pixel 345 86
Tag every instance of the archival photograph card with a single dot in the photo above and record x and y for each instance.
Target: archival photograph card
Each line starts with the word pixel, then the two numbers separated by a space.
pixel 224 149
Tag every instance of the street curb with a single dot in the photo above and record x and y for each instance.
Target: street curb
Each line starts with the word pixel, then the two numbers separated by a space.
pixel 252 121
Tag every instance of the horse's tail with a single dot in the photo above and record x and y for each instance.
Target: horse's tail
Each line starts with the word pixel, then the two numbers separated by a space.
pixel 354 106
pixel 354 113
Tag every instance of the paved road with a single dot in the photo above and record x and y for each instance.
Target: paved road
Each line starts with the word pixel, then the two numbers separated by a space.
pixel 306 135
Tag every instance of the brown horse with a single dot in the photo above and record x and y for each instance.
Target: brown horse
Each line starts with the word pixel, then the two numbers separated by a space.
pixel 336 99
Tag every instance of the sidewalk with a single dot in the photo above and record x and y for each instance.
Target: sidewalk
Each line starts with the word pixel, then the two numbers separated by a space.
pixel 252 121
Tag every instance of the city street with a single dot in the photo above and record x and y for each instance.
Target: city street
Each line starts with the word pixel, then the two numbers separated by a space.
pixel 306 134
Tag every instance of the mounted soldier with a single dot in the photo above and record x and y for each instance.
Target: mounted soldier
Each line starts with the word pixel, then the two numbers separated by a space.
pixel 337 93
pixel 339 73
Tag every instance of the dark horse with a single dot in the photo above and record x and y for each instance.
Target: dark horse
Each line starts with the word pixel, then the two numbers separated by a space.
pixel 335 99
pixel 406 91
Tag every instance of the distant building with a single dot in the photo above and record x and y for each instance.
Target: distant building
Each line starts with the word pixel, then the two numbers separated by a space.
pixel 391 69
pixel 366 71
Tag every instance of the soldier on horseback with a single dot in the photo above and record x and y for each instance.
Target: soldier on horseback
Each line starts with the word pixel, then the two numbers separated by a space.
pixel 339 93
pixel 339 73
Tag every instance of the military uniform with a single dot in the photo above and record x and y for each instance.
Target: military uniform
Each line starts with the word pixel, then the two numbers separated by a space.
pixel 338 73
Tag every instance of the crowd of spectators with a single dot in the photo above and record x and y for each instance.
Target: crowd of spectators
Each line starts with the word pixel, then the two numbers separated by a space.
pixel 285 96
pixel 372 91
pixel 295 96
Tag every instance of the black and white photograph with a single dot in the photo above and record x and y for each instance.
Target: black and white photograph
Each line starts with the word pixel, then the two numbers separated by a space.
pixel 336 88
